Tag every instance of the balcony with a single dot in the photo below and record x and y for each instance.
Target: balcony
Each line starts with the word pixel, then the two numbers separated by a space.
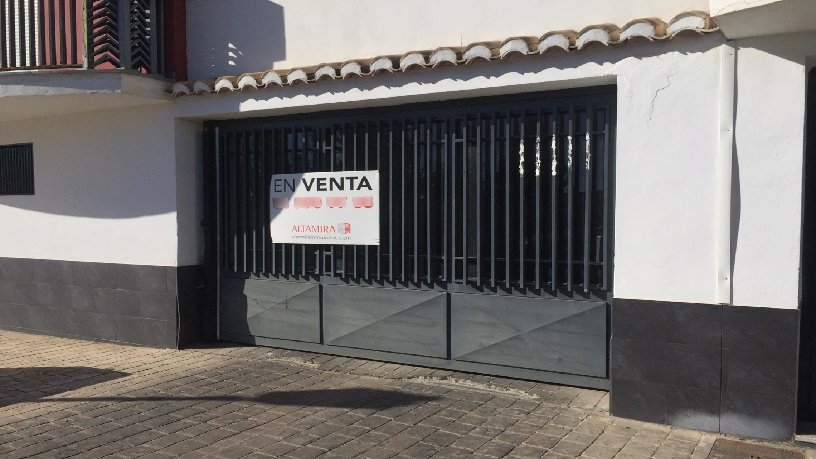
pixel 110 51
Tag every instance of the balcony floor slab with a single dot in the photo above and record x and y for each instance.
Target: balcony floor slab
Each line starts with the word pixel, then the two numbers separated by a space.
pixel 34 94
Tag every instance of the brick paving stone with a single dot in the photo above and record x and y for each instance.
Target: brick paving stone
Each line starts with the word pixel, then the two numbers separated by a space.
pixel 420 451
pixel 569 448
pixel 234 451
pixel 527 451
pixel 378 452
pixel 226 401
pixel 470 442
pixel 258 455
pixel 306 452
pixel 495 449
pixel 399 442
pixel 441 438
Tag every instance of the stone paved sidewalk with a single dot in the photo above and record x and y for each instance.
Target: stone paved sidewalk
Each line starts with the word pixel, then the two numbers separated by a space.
pixel 62 397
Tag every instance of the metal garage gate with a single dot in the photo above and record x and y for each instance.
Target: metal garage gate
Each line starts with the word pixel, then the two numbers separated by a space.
pixel 495 248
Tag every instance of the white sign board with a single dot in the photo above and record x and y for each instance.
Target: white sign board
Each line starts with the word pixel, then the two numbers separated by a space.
pixel 326 208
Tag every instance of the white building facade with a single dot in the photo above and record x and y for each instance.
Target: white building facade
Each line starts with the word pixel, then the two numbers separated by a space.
pixel 603 194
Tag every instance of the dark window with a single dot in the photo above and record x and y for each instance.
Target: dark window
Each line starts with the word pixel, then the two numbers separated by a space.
pixel 17 169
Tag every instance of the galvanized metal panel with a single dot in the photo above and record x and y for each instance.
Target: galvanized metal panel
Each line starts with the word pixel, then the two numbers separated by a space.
pixel 392 320
pixel 274 309
pixel 554 335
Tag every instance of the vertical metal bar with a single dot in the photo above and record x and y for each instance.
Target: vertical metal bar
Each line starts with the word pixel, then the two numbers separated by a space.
pixel 218 253
pixel 317 166
pixel 283 154
pixel 74 35
pixel 52 31
pixel 554 203
pixel 274 170
pixel 17 21
pixel 538 202
pixel 62 32
pixel 379 166
pixel 478 170
pixel 445 220
pixel 367 248
pixel 416 200
pixel 244 198
pixel 124 35
pixel 225 202
pixel 587 196
pixel 493 180
pixel 428 175
pixel 41 57
pixel 507 247
pixel 454 141
pixel 464 200
pixel 607 201
pixel 570 197
pixel 234 198
pixel 21 32
pixel 4 61
pixel 345 153
pixel 262 201
pixel 522 122
pixel 32 31
pixel 391 202
pixel 298 168
pixel 354 162
pixel 308 167
pixel 12 34
pixel 320 251
pixel 402 199
pixel 155 36
pixel 331 168
pixel 252 185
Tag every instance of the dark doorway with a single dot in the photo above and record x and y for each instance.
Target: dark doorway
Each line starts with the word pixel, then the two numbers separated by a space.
pixel 807 334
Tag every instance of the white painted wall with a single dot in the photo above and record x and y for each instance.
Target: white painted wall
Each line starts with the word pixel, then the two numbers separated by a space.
pixel 236 36
pixel 127 193
pixel 105 189
pixel 666 145
pixel 189 191
pixel 769 139
pixel 718 7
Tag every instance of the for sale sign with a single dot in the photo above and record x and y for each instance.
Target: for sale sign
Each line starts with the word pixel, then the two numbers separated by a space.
pixel 326 208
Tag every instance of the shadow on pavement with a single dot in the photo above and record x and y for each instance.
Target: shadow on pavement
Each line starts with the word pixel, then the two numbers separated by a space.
pixel 328 398
pixel 19 385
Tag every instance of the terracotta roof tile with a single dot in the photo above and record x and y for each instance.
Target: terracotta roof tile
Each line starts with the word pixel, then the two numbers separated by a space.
pixel 566 40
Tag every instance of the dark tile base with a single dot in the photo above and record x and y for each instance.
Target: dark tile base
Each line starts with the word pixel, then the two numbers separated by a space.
pixel 727 369
pixel 112 302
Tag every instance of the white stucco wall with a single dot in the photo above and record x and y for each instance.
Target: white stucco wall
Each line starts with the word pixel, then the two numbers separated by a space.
pixel 189 191
pixel 105 189
pixel 769 146
pixel 227 39
pixel 666 141
pixel 131 192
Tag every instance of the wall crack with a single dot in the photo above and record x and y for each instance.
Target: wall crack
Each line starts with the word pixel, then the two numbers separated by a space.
pixel 657 93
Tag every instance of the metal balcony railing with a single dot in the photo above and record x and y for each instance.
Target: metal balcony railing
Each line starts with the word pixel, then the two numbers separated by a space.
pixel 89 34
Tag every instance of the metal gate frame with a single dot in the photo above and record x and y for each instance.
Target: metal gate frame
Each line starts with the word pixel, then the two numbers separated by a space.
pixel 593 302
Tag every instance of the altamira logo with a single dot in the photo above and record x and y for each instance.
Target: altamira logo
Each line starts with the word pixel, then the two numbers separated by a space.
pixel 341 228
pixel 314 229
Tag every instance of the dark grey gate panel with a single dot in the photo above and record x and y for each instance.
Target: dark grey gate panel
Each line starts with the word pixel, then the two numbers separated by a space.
pixel 553 335
pixel 382 319
pixel 273 309
pixel 496 225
